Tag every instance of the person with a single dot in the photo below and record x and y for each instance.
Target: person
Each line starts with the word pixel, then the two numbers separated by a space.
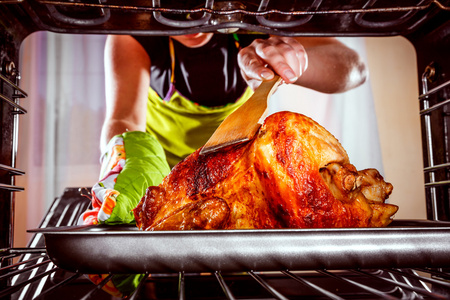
pixel 166 95
pixel 322 64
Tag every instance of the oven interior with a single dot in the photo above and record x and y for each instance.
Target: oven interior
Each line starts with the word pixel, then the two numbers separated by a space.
pixel 28 273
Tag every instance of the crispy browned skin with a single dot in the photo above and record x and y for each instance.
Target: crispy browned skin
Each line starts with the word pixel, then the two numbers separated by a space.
pixel 294 174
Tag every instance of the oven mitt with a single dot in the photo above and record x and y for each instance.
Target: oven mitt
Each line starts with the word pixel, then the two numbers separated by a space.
pixel 134 161
pixel 120 285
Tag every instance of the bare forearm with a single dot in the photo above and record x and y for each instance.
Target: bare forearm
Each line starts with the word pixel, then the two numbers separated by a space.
pixel 112 128
pixel 322 64
pixel 127 79
pixel 333 69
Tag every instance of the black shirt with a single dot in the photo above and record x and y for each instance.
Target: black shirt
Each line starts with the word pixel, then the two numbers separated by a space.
pixel 208 75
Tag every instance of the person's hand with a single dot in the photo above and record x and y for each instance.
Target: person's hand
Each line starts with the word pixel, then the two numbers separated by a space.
pixel 284 56
pixel 132 162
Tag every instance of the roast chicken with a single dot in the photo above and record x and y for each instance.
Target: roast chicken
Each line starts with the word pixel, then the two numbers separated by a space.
pixel 293 174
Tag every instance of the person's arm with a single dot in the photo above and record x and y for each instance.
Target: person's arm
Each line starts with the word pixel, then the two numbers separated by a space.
pixel 322 64
pixel 132 159
pixel 127 79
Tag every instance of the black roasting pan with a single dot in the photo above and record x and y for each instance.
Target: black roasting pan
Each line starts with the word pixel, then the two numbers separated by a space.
pixel 125 249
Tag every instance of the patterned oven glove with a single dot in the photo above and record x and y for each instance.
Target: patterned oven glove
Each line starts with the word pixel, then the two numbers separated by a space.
pixel 120 285
pixel 134 161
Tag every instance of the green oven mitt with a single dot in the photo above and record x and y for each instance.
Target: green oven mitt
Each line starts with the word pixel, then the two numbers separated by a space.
pixel 134 161
pixel 120 285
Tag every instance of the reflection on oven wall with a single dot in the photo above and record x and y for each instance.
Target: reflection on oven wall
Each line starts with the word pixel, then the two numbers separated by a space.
pixel 59 136
pixel 396 91
pixel 61 132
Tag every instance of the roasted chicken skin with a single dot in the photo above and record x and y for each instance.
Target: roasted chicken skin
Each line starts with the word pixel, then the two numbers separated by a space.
pixel 293 174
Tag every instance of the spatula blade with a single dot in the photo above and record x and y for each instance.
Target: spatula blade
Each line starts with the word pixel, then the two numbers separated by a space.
pixel 244 122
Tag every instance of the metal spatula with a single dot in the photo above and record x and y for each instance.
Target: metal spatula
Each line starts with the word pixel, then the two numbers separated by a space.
pixel 244 122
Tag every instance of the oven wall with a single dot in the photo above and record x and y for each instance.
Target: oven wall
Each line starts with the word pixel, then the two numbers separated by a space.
pixel 59 137
pixel 395 89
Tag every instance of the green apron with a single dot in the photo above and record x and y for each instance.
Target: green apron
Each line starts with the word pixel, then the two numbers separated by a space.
pixel 181 125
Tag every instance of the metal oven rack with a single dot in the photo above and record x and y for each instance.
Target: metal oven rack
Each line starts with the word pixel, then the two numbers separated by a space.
pixel 435 123
pixel 36 277
pixel 10 93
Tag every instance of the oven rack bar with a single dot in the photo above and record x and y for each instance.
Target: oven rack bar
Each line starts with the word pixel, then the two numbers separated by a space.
pixel 436 167
pixel 426 95
pixel 31 264
pixel 225 288
pixel 435 107
pixel 18 93
pixel 11 170
pixel 315 284
pixel 432 102
pixel 437 184
pixel 273 291
pixel 19 108
pixel 434 90
pixel 356 284
pixel 11 253
pixel 10 187
pixel 21 93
